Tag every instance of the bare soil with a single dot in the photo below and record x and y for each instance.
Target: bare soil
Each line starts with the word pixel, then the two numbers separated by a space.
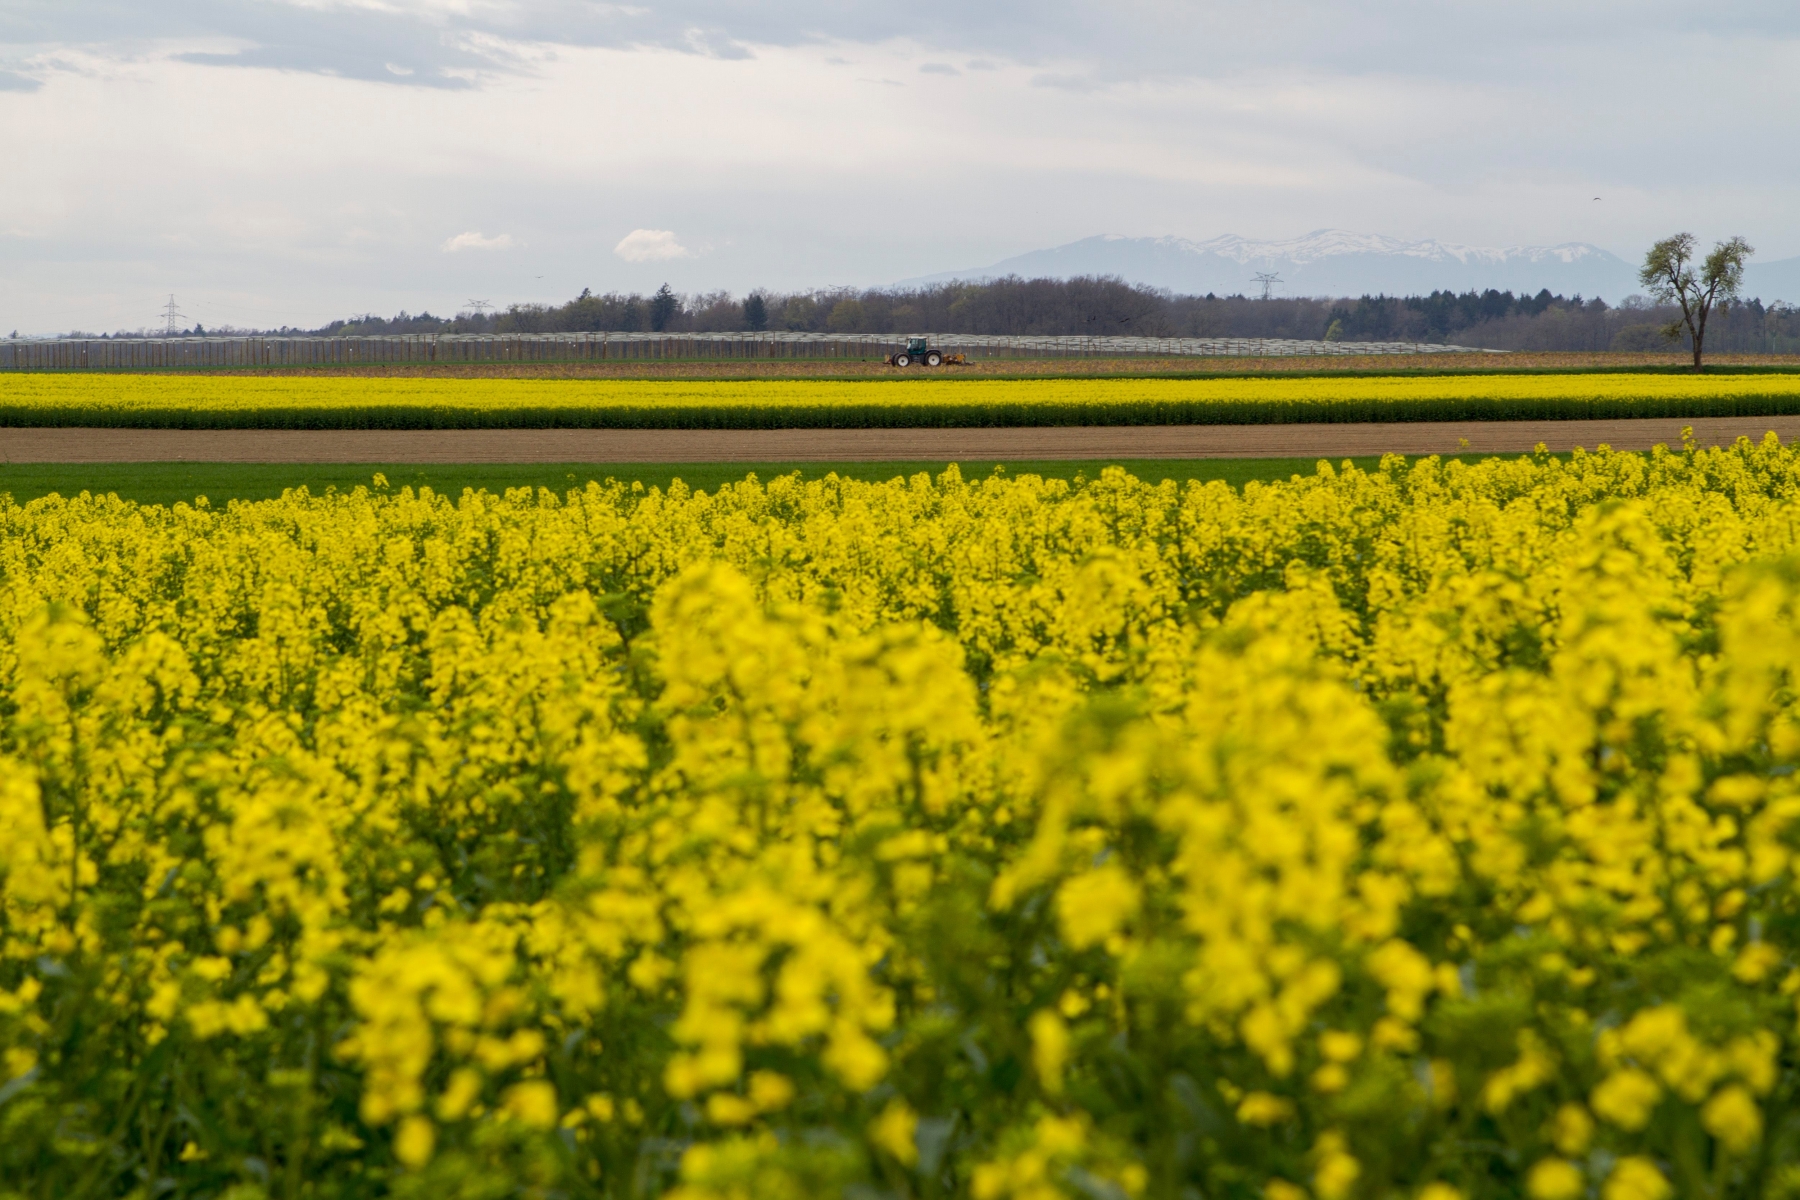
pixel 865 445
pixel 838 368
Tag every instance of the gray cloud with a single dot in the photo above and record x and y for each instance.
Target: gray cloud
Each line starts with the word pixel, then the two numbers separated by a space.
pixel 435 47
pixel 12 82
pixel 352 43
pixel 1121 42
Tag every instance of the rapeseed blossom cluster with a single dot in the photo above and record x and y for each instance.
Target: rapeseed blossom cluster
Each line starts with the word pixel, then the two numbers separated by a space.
pixel 1422 832
pixel 310 401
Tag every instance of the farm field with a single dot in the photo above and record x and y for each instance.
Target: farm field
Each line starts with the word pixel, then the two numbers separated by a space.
pixel 1426 830
pixel 274 448
pixel 1034 368
pixel 323 402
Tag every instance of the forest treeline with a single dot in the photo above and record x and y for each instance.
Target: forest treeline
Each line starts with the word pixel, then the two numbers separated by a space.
pixel 1491 320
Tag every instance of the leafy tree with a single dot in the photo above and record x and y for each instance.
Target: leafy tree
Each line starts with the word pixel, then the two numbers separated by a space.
pixel 1640 338
pixel 1372 320
pixel 800 312
pixel 1669 275
pixel 663 307
pixel 846 317
pixel 756 313
pixel 1531 306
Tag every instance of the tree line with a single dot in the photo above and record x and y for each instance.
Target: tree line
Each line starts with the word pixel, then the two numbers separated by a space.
pixel 1497 320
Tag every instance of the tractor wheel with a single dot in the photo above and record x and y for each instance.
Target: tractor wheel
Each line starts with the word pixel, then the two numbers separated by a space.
pixel 934 359
pixel 903 360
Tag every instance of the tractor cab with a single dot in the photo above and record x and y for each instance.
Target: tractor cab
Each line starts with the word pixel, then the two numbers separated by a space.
pixel 916 347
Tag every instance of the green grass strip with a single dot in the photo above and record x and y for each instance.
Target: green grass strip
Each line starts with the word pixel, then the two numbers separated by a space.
pixel 220 483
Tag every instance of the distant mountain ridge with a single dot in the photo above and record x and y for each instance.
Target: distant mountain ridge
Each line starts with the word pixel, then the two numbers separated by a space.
pixel 1325 262
pixel 1332 243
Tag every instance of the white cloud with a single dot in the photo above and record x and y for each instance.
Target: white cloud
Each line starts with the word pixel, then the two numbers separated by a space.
pixel 473 240
pixel 650 245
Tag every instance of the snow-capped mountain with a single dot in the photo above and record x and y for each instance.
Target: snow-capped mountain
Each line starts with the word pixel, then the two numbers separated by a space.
pixel 1326 262
pixel 1336 243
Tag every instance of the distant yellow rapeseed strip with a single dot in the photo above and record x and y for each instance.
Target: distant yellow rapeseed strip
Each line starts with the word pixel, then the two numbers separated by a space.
pixel 322 401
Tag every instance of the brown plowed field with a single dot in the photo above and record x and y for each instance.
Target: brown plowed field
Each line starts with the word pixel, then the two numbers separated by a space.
pixel 862 445
pixel 1396 364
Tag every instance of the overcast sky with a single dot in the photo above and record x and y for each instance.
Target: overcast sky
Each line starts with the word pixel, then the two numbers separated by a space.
pixel 271 161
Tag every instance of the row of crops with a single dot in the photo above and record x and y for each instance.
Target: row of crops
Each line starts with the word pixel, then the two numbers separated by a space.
pixel 322 402
pixel 1427 832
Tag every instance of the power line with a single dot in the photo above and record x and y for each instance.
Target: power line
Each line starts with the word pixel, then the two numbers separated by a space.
pixel 1268 283
pixel 172 317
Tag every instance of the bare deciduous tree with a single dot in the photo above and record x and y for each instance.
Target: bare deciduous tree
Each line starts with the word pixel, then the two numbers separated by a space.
pixel 1669 275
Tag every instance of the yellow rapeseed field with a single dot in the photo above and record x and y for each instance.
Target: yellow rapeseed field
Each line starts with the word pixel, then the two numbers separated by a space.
pixel 1428 832
pixel 338 401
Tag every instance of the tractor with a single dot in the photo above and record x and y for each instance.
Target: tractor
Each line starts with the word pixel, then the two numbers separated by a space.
pixel 917 351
